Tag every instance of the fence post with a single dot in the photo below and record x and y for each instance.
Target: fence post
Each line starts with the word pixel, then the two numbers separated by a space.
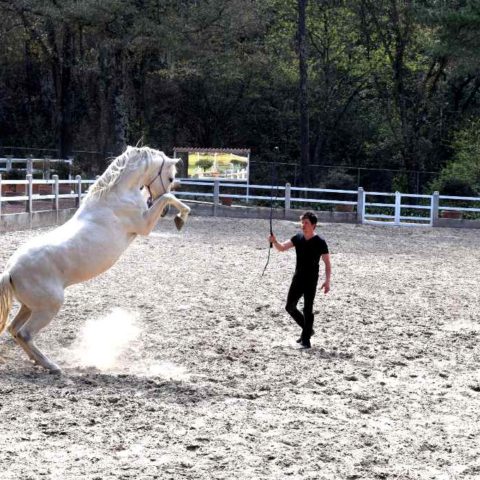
pixel 70 164
pixel 78 178
pixel 434 209
pixel 29 204
pixel 288 193
pixel 46 168
pixel 398 206
pixel 0 194
pixel 216 196
pixel 56 190
pixel 360 205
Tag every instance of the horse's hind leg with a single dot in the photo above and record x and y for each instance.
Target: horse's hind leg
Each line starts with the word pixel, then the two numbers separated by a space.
pixel 24 337
pixel 18 322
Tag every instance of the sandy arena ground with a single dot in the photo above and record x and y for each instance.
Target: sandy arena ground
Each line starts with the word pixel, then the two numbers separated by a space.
pixel 180 362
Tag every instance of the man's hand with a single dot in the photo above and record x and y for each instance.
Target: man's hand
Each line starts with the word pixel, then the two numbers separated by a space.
pixel 325 287
pixel 281 247
pixel 328 272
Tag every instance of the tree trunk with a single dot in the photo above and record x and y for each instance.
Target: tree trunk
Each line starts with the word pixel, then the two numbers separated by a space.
pixel 61 62
pixel 303 93
pixel 113 107
pixel 119 105
pixel 66 95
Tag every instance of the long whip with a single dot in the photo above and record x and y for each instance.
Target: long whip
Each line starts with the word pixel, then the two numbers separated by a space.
pixel 272 179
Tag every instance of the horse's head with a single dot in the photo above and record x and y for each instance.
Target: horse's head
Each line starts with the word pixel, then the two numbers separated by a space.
pixel 160 174
pixel 136 167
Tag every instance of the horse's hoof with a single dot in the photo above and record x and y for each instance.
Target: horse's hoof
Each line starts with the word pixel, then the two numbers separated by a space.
pixel 178 223
pixel 55 371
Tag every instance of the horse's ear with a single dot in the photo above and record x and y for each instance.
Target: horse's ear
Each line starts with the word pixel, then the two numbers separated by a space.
pixel 178 163
pixel 170 161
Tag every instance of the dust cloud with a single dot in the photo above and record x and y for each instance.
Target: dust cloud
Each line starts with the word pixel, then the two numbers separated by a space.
pixel 104 341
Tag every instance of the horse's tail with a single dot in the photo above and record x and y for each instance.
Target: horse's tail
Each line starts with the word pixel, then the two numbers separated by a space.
pixel 6 296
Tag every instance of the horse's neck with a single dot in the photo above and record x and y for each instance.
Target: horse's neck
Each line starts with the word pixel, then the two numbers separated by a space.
pixel 130 181
pixel 112 199
pixel 136 178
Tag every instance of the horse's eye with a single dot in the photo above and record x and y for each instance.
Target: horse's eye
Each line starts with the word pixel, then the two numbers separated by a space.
pixel 170 179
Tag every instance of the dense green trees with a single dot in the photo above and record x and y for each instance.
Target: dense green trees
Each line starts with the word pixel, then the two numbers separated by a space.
pixel 386 84
pixel 461 175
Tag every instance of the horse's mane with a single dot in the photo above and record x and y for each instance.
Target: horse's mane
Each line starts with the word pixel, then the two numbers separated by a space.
pixel 128 160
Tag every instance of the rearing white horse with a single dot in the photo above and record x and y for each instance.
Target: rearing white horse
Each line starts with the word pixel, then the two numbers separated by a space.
pixel 111 215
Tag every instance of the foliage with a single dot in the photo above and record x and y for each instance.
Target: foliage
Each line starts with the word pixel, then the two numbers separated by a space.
pixel 62 169
pixel 237 163
pixel 14 174
pixel 204 163
pixel 389 82
pixel 462 175
pixel 337 180
pixel 400 183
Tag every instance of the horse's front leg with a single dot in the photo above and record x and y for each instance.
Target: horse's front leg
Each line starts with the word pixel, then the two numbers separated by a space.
pixel 153 214
pixel 183 212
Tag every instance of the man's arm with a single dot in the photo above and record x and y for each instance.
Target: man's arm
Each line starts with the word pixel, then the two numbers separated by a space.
pixel 281 247
pixel 328 272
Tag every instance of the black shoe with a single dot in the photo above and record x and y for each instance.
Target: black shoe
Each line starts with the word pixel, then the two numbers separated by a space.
pixel 305 344
pixel 299 339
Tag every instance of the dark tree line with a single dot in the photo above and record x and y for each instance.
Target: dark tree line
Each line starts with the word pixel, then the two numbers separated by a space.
pixel 386 84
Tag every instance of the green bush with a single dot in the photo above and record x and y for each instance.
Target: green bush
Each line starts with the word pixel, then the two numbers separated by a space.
pixel 14 174
pixel 239 164
pixel 204 164
pixel 62 169
pixel 337 180
pixel 462 175
pixel 400 182
pixel 456 187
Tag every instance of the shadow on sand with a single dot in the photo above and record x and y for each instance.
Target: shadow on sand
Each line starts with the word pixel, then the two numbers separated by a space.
pixel 90 382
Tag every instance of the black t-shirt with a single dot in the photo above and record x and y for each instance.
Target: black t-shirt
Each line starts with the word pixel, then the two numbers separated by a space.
pixel 308 254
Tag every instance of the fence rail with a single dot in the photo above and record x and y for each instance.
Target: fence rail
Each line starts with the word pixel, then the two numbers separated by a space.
pixel 381 208
pixel 44 194
pixel 30 165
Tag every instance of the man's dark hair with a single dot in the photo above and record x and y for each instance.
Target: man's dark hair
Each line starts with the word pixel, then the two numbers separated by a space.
pixel 309 216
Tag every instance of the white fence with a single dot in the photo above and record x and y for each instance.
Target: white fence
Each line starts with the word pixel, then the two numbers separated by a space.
pixel 231 174
pixel 417 210
pixel 224 192
pixel 53 191
pixel 30 165
pixel 379 208
pixel 364 207
pixel 398 212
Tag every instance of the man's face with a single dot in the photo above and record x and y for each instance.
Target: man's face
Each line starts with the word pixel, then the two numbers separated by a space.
pixel 307 226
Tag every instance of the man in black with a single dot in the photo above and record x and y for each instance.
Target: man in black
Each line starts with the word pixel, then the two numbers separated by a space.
pixel 309 248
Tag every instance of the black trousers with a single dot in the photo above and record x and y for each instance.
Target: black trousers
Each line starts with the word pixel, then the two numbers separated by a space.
pixel 306 287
